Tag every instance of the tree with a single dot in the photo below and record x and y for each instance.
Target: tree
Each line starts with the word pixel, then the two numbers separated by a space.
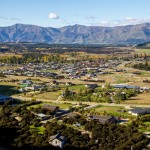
pixel 66 93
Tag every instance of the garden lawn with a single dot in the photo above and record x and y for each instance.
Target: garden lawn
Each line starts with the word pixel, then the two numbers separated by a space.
pixel 61 105
pixel 110 110
pixel 145 128
pixel 49 95
pixel 76 88
pixel 39 129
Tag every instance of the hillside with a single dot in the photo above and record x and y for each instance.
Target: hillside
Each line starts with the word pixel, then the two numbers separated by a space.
pixel 131 34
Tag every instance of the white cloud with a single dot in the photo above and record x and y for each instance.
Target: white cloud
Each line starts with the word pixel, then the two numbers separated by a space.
pixel 130 19
pixel 9 19
pixel 123 22
pixel 53 16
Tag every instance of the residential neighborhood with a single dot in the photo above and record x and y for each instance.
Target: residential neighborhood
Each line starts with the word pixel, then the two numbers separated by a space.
pixel 75 75
pixel 68 103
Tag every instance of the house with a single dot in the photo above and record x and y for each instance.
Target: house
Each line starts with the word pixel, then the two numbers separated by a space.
pixel 104 119
pixel 91 86
pixel 59 77
pixel 77 124
pixel 59 114
pixel 33 88
pixel 122 86
pixel 139 111
pixel 51 75
pixel 55 82
pixel 26 83
pixel 43 117
pixel 18 118
pixel 137 73
pixel 69 84
pixel 119 70
pixel 21 90
pixel 144 89
pixel 72 115
pixel 57 140
pixel 51 107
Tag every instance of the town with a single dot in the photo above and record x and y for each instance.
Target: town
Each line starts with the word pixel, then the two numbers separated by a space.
pixel 67 100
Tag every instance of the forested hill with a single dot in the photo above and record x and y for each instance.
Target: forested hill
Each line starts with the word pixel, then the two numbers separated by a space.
pixel 131 34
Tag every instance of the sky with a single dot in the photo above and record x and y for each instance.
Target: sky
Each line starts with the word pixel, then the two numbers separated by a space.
pixel 58 13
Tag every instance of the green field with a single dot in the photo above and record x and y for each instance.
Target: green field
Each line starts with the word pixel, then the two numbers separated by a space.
pixel 81 128
pixel 120 79
pixel 111 110
pixel 39 130
pixel 142 51
pixel 145 127
pixel 76 88
pixel 61 105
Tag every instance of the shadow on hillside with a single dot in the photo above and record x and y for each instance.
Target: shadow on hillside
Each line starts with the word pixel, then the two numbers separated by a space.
pixel 7 136
pixel 8 90
pixel 133 98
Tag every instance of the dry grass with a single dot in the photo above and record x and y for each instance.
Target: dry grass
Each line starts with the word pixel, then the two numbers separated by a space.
pixel 113 111
pixel 12 77
pixel 49 95
pixel 143 98
pixel 75 81
pixel 60 105
pixel 108 109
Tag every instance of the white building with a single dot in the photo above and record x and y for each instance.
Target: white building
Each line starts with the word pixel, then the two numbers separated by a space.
pixel 57 140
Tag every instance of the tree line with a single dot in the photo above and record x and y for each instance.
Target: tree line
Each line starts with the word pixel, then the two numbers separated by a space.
pixel 142 66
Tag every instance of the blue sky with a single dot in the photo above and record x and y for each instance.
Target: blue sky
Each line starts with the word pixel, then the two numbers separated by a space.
pixel 58 13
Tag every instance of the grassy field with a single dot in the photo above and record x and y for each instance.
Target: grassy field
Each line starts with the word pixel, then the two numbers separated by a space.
pixel 142 51
pixel 7 67
pixel 54 71
pixel 12 77
pixel 143 98
pixel 145 128
pixel 75 81
pixel 80 128
pixel 49 95
pixel 61 105
pixel 120 79
pixel 39 130
pixel 77 88
pixel 56 94
pixel 113 111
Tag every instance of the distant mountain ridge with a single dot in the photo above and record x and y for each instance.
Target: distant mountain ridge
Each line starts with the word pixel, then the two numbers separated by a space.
pixel 130 34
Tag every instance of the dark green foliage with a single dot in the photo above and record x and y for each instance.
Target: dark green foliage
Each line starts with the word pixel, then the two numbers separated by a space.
pixel 144 118
pixel 76 119
pixel 142 66
pixel 75 140
pixel 41 110
pixel 15 134
pixel 2 75
pixel 115 137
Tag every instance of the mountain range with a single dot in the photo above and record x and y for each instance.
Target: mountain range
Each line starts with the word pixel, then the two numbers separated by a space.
pixel 130 34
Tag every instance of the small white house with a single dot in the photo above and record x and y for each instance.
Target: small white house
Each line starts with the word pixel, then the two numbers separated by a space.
pixel 57 140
